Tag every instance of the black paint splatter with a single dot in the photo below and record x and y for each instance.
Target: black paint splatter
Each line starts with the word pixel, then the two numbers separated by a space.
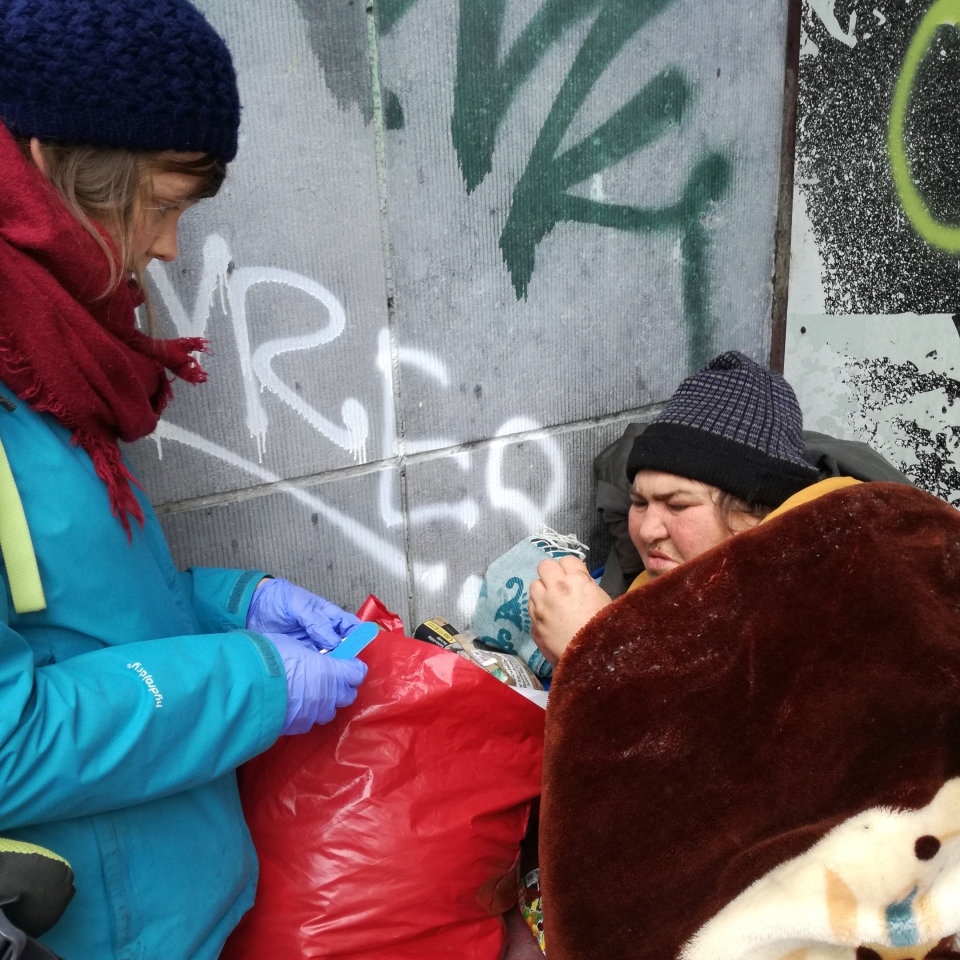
pixel 935 470
pixel 874 261
pixel 878 385
pixel 895 383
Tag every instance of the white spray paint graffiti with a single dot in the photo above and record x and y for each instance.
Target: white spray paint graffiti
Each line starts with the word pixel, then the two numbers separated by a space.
pixel 467 512
pixel 255 368
pixel 216 265
pixel 824 9
pixel 384 552
pixel 257 374
pixel 516 501
pixel 353 435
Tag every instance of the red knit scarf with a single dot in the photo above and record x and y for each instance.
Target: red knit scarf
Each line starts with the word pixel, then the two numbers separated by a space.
pixel 67 350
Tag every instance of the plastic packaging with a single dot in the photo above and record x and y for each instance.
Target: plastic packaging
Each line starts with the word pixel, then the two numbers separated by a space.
pixel 531 905
pixel 501 619
pixel 393 832
pixel 504 667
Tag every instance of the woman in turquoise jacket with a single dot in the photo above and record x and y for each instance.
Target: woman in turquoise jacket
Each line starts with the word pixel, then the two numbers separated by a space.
pixel 129 692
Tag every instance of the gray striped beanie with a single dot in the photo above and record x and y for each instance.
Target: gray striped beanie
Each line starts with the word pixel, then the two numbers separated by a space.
pixel 734 425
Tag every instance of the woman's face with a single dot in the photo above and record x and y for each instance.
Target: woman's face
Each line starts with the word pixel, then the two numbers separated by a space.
pixel 673 519
pixel 166 197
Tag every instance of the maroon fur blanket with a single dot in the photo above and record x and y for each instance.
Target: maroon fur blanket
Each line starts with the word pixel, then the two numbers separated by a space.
pixel 721 720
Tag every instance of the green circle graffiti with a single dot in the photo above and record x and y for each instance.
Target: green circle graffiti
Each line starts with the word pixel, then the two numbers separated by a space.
pixel 937 234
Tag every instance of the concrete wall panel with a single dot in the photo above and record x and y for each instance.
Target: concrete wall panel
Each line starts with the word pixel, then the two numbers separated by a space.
pixel 608 228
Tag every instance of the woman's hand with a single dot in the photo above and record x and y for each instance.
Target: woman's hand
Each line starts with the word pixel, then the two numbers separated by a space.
pixel 561 602
pixel 279 606
pixel 317 685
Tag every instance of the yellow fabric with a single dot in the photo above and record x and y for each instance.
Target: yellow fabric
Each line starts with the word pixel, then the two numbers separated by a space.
pixel 18 846
pixel 18 553
pixel 812 493
pixel 641 580
pixel 807 494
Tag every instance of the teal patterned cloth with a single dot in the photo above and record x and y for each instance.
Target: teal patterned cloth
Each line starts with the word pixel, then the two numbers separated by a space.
pixel 501 619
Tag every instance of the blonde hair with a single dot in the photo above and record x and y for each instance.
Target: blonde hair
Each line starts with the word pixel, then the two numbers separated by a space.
pixel 109 186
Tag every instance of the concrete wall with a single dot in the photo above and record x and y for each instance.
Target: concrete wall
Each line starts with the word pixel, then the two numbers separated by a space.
pixel 431 307
pixel 873 333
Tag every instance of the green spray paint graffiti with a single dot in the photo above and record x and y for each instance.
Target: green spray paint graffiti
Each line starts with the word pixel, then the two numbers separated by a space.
pixel 484 90
pixel 941 235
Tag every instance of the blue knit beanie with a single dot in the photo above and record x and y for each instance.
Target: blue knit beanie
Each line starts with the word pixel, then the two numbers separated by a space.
pixel 735 425
pixel 141 74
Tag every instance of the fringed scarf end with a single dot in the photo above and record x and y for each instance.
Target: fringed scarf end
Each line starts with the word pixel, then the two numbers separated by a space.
pixel 178 357
pixel 110 468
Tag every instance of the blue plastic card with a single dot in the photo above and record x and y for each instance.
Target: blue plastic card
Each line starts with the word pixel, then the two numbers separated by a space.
pixel 356 640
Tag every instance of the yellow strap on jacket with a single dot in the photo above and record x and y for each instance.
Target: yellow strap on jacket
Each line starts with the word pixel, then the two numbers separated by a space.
pixel 18 553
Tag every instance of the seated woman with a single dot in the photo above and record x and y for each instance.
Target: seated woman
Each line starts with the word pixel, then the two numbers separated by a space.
pixel 755 756
pixel 723 454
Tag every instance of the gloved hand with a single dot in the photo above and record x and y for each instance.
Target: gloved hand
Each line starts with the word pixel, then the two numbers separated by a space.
pixel 279 606
pixel 316 684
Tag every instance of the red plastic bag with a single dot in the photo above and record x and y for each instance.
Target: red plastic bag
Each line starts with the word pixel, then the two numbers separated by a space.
pixel 393 832
pixel 372 610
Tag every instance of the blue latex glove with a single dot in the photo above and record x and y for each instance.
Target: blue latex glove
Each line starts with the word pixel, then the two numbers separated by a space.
pixel 316 684
pixel 280 606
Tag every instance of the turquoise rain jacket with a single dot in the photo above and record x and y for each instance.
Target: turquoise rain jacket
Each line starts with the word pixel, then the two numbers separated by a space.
pixel 125 708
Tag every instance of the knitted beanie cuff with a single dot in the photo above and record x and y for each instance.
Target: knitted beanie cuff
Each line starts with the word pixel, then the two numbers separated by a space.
pixel 203 133
pixel 708 458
